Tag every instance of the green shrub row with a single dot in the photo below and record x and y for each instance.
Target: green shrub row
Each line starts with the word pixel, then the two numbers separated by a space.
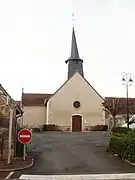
pixel 47 127
pixel 123 144
pixel 120 130
pixel 50 127
pixel 36 129
pixel 99 128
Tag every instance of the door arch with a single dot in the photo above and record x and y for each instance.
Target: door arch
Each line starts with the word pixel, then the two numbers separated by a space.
pixel 76 123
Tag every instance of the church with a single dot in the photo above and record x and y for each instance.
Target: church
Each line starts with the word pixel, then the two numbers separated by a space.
pixel 75 106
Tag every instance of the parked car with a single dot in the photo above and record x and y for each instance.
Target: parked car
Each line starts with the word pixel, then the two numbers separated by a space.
pixel 131 123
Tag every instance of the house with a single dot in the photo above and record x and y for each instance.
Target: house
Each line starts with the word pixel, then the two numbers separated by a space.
pixel 75 106
pixel 4 121
pixel 120 106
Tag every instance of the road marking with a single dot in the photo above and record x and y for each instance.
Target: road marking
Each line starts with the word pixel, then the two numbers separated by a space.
pixel 24 136
pixel 10 174
pixel 80 177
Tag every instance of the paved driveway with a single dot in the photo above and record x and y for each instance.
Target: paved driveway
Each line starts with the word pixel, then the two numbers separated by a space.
pixel 74 153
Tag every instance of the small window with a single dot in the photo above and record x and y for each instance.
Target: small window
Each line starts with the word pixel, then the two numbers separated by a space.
pixel 76 104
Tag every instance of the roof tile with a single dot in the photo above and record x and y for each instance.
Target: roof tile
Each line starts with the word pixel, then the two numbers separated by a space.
pixel 34 99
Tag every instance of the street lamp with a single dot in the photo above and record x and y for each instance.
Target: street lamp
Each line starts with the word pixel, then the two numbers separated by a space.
pixel 127 81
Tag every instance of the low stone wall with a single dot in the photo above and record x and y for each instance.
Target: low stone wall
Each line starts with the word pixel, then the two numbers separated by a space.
pixel 68 129
pixel 87 128
pixel 4 147
pixel 5 154
pixel 65 128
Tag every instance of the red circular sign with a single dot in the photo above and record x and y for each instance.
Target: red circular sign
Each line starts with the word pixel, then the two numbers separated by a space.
pixel 25 136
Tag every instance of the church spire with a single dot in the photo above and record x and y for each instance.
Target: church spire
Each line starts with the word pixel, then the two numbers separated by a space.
pixel 74 48
pixel 74 62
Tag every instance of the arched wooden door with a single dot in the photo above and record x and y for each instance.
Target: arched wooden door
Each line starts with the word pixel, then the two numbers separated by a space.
pixel 76 123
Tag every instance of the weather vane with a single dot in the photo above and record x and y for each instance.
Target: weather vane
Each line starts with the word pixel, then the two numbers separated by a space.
pixel 73 19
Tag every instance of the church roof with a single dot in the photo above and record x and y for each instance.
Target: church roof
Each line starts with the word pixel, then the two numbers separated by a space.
pixel 31 99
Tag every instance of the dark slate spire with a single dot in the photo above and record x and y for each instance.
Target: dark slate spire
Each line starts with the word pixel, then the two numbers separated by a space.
pixel 74 49
pixel 74 62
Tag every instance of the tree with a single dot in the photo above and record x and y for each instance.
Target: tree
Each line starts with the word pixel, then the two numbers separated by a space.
pixel 113 107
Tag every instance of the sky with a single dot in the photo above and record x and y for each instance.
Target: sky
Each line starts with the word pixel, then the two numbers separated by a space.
pixel 35 41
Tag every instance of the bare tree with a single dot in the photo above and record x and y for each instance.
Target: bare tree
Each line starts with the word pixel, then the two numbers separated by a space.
pixel 113 107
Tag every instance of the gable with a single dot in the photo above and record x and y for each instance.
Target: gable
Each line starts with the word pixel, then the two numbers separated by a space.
pixel 75 82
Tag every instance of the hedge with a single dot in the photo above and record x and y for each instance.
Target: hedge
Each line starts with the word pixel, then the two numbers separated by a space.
pixel 99 128
pixel 123 144
pixel 50 127
pixel 36 129
pixel 120 129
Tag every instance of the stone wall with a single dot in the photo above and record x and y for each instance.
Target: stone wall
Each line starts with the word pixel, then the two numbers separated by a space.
pixel 4 147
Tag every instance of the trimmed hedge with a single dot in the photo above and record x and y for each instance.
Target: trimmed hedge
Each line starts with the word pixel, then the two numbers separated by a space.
pixel 123 144
pixel 50 127
pixel 120 130
pixel 36 129
pixel 100 128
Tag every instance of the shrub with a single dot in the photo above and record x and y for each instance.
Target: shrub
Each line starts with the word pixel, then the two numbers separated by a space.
pixel 36 129
pixel 50 127
pixel 123 145
pixel 120 129
pixel 100 128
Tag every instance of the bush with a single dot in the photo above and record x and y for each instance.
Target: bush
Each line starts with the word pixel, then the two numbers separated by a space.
pixel 120 129
pixel 36 129
pixel 50 127
pixel 123 144
pixel 19 146
pixel 100 128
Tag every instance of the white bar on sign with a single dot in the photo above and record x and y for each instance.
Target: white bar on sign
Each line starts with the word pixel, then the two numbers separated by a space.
pixel 80 177
pixel 24 136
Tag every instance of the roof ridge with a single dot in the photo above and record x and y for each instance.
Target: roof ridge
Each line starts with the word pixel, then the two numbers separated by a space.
pixel 37 93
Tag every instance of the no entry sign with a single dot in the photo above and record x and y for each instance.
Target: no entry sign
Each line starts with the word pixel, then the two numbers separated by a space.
pixel 25 136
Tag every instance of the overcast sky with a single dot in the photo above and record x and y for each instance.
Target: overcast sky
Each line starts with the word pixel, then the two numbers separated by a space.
pixel 35 40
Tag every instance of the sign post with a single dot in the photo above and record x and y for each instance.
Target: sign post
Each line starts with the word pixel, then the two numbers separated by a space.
pixel 25 137
pixel 24 152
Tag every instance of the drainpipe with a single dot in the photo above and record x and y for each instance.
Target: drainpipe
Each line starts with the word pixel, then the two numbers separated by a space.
pixel 47 113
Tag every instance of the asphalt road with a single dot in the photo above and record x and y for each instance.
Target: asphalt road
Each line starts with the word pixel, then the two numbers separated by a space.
pixel 73 153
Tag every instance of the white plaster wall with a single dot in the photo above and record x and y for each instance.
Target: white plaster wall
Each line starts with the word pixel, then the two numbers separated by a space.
pixel 34 116
pixel 61 104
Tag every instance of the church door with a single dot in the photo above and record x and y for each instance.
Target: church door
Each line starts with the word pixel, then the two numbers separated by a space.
pixel 76 123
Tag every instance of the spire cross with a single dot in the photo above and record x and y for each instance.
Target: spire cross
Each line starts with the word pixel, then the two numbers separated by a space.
pixel 73 19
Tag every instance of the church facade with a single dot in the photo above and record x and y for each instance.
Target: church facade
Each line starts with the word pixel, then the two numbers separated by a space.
pixel 75 106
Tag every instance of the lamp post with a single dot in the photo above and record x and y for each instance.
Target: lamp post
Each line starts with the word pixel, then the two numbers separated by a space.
pixel 127 81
